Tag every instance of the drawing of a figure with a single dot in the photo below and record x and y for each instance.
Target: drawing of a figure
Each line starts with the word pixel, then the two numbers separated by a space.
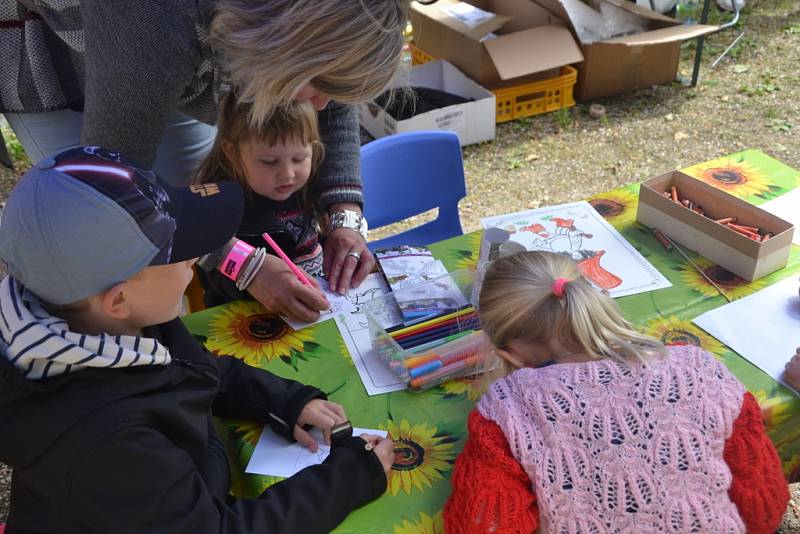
pixel 566 239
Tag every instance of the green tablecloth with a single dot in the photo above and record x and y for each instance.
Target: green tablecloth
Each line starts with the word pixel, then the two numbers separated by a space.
pixel 429 428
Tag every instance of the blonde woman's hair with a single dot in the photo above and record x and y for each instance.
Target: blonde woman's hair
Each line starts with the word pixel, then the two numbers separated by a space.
pixel 294 122
pixel 517 303
pixel 347 49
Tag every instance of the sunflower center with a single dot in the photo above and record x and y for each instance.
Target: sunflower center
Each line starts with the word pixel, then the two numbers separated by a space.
pixel 723 277
pixel 408 455
pixel 727 176
pixel 262 327
pixel 607 207
pixel 680 337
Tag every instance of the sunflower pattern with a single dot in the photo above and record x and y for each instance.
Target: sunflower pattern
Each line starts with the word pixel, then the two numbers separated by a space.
pixel 425 525
pixel 470 387
pixel 773 411
pixel 792 469
pixel 247 431
pixel 618 206
pixel 244 330
pixel 466 255
pixel 422 455
pixel 735 176
pixel 675 331
pixel 732 285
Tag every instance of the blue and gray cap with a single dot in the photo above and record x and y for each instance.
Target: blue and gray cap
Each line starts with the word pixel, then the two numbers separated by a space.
pixel 88 218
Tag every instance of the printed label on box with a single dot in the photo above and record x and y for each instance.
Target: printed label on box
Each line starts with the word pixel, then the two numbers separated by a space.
pixel 449 119
pixel 468 14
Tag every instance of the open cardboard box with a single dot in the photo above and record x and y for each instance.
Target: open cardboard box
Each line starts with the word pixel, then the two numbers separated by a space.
pixel 473 122
pixel 630 62
pixel 530 43
pixel 742 256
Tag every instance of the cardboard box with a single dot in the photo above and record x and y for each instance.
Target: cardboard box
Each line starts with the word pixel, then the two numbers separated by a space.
pixel 742 256
pixel 530 43
pixel 473 122
pixel 631 62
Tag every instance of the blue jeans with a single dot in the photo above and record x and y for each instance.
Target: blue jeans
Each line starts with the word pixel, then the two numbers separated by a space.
pixel 184 143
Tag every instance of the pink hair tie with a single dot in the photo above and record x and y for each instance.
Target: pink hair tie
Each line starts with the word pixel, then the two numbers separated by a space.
pixel 558 287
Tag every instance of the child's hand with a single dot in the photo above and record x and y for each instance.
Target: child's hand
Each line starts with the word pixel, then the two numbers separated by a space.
pixel 383 449
pixel 278 289
pixel 791 375
pixel 321 414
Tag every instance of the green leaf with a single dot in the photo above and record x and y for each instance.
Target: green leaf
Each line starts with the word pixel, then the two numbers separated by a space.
pixel 740 68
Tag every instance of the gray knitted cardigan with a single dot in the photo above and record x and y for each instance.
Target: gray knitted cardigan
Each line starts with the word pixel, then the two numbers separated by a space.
pixel 128 65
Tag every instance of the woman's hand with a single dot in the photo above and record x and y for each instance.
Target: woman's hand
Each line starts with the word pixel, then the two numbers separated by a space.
pixel 383 449
pixel 321 414
pixel 791 373
pixel 278 289
pixel 343 269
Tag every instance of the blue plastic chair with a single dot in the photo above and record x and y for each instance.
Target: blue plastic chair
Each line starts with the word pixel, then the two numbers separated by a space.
pixel 408 174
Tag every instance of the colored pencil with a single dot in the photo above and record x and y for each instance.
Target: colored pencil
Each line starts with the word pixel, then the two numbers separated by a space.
pixel 396 332
pixel 433 325
pixel 420 349
pixel 282 255
pixel 432 335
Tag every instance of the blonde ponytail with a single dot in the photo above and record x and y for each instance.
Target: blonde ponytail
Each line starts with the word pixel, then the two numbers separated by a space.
pixel 517 302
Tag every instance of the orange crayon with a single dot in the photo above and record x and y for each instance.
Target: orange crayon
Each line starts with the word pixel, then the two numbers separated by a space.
pixel 675 194
pixel 726 220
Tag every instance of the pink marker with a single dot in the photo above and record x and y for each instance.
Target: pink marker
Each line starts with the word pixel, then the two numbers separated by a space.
pixel 282 255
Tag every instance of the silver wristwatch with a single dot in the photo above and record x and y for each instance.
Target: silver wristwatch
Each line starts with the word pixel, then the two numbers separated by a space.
pixel 349 219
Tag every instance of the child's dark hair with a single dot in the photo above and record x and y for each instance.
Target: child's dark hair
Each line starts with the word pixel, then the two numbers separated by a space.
pixel 296 121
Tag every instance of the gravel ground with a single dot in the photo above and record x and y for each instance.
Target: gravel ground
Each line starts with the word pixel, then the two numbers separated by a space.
pixel 750 100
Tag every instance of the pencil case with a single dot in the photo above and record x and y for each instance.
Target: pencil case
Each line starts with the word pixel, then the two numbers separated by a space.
pixel 441 347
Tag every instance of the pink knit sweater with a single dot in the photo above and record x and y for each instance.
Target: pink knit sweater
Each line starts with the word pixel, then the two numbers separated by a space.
pixel 613 447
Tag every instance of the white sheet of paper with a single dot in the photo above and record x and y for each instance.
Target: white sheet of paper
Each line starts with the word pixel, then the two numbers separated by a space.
pixel 339 305
pixel 772 334
pixel 373 371
pixel 787 207
pixel 275 456
pixel 591 241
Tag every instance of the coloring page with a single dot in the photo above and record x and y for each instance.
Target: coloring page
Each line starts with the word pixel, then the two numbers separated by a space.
pixel 576 230
pixel 340 304
pixel 275 456
pixel 375 374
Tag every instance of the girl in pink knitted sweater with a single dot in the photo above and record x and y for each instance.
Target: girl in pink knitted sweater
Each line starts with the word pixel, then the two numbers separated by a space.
pixel 602 429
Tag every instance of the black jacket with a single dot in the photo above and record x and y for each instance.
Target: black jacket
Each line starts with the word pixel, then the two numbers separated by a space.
pixel 135 450
pixel 260 216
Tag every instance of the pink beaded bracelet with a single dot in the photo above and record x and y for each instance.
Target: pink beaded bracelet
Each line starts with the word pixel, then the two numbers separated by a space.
pixel 236 259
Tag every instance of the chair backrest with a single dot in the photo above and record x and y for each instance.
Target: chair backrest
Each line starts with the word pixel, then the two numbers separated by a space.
pixel 408 174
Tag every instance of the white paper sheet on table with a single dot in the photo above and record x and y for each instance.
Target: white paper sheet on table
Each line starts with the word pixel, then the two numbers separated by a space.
pixel 763 327
pixel 275 456
pixel 339 305
pixel 578 231
pixel 373 371
pixel 787 207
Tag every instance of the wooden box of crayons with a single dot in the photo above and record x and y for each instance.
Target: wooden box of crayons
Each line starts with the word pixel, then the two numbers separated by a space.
pixel 729 231
pixel 427 351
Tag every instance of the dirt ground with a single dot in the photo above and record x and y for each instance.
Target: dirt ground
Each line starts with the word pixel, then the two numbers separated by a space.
pixel 751 99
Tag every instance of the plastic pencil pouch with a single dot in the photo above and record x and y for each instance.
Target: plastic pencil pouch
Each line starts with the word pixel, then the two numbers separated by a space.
pixel 441 347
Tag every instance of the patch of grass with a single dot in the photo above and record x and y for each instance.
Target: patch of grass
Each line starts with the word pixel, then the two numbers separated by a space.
pixel 792 29
pixel 764 87
pixel 563 118
pixel 521 125
pixel 780 125
pixel 14 146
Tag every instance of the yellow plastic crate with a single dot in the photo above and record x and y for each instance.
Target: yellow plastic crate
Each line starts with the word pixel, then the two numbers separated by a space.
pixel 524 100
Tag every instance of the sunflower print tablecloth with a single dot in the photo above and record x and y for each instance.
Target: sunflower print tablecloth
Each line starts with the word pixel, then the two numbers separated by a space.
pixel 429 428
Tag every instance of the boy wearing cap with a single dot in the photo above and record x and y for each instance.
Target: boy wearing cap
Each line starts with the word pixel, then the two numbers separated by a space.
pixel 105 397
